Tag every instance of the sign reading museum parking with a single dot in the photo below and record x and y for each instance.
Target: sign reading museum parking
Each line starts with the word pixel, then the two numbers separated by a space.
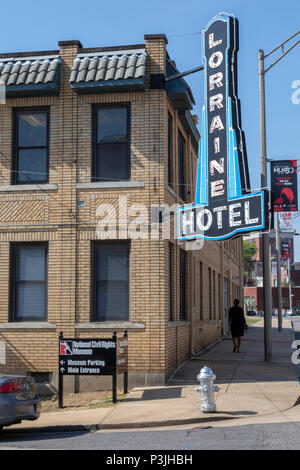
pixel 224 205
pixel 87 356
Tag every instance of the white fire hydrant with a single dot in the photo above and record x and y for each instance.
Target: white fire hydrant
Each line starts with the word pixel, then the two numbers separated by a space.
pixel 207 389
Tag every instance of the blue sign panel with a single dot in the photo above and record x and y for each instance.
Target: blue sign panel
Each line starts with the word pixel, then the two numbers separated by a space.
pixel 224 205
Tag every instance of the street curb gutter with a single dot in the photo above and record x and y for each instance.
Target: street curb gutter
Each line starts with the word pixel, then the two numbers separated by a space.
pixel 116 426
pixel 50 429
pixel 170 422
pixel 138 425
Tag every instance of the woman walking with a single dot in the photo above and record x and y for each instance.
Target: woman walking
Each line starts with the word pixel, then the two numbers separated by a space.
pixel 237 325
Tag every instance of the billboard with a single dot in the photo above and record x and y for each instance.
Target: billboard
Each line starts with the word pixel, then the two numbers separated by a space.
pixel 224 205
pixel 284 185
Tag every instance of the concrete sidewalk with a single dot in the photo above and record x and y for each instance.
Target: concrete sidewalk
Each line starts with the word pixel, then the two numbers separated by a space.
pixel 249 387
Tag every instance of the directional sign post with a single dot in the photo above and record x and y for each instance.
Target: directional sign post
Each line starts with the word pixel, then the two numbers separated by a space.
pixel 91 357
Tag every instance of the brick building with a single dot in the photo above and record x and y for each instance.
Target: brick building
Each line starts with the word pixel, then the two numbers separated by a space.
pixel 85 139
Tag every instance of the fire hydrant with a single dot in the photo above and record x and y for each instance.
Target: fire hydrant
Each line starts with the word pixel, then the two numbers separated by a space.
pixel 207 389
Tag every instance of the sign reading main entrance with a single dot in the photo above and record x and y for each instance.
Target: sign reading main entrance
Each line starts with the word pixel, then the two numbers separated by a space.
pixel 224 205
pixel 94 357
pixel 87 356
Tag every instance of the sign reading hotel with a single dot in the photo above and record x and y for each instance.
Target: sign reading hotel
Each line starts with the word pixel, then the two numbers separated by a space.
pixel 87 356
pixel 224 205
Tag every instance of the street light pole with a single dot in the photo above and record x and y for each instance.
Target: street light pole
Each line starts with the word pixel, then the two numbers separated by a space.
pixel 290 284
pixel 264 184
pixel 278 262
pixel 265 236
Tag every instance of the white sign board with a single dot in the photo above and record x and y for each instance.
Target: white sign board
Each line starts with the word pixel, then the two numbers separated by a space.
pixel 286 223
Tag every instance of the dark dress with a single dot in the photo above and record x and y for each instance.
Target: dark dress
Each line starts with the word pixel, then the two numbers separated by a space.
pixel 237 321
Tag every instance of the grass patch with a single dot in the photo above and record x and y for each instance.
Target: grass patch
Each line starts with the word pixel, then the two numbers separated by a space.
pixel 252 320
pixel 78 401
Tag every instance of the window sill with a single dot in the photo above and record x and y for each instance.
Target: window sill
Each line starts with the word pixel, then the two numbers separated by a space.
pixel 111 185
pixel 110 325
pixel 179 323
pixel 28 325
pixel 171 190
pixel 28 187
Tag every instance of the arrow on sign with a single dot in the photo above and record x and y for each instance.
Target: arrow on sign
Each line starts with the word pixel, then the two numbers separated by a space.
pixel 62 369
pixel 62 362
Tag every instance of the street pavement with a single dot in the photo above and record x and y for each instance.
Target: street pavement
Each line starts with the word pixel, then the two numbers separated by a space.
pixel 250 388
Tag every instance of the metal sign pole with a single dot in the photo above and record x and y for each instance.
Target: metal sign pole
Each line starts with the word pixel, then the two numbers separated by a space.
pixel 279 290
pixel 114 376
pixel 60 376
pixel 265 236
pixel 126 371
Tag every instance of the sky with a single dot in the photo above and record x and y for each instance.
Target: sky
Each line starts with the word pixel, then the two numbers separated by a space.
pixel 263 24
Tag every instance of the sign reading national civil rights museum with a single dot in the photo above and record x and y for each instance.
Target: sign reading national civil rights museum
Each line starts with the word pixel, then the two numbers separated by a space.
pixel 93 357
pixel 87 356
pixel 284 185
pixel 224 204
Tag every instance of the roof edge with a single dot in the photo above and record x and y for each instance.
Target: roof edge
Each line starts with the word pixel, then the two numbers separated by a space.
pixel 111 48
pixel 28 54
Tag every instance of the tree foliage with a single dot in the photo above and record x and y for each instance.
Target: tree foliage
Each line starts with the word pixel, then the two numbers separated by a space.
pixel 249 250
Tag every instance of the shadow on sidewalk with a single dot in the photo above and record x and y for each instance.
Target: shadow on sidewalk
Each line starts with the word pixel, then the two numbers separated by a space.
pixel 158 394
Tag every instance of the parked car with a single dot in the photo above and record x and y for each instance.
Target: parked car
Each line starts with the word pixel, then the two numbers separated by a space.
pixel 251 313
pixel 18 400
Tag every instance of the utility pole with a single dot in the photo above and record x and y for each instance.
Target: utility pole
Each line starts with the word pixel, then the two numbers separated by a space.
pixel 265 236
pixel 278 262
pixel 264 184
pixel 290 284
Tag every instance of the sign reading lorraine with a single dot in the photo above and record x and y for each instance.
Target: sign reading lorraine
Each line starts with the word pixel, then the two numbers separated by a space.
pixel 224 205
pixel 87 356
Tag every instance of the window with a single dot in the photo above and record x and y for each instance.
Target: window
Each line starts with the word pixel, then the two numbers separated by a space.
pixel 219 294
pixel 183 285
pixel 201 291
pixel 170 152
pixel 170 282
pixel 111 281
pixel 29 281
pixel 209 293
pixel 31 146
pixel 214 294
pixel 112 147
pixel 181 166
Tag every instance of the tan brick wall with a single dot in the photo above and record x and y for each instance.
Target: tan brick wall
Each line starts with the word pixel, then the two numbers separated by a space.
pixel 53 216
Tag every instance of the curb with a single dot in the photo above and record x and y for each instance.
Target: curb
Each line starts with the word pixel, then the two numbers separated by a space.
pixel 116 426
pixel 54 428
pixel 170 422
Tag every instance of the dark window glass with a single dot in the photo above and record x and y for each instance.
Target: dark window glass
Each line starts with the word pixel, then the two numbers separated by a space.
pixel 214 294
pixel 210 293
pixel 111 285
pixel 201 291
pixel 29 289
pixel 219 294
pixel 183 286
pixel 170 282
pixel 170 151
pixel 31 147
pixel 181 166
pixel 112 155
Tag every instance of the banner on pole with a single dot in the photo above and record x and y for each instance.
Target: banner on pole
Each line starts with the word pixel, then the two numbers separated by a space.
pixel 284 185
pixel 286 222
